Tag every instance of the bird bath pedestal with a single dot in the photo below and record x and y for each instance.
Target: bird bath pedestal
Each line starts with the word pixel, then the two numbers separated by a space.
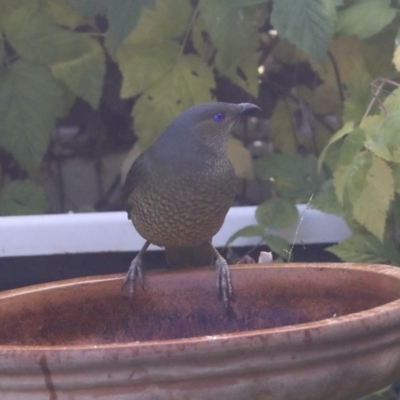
pixel 295 331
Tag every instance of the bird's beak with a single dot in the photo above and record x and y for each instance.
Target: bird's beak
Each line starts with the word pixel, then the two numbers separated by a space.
pixel 248 109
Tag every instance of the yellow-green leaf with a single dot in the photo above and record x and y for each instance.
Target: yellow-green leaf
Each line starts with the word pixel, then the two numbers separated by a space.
pixel 349 178
pixel 186 82
pixel 385 142
pixel 84 75
pixel 30 102
pixel 143 66
pixel 365 18
pixel 372 205
pixel 168 20
pixel 345 130
pixel 62 13
pixel 396 58
pixel 36 38
pixel 366 248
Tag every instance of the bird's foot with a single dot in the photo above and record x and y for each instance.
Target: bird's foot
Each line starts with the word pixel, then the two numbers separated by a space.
pixel 224 282
pixel 135 270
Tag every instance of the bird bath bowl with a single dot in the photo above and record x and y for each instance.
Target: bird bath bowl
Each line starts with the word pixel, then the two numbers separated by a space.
pixel 296 331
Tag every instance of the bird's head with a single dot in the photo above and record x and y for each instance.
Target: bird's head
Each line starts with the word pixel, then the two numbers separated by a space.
pixel 208 124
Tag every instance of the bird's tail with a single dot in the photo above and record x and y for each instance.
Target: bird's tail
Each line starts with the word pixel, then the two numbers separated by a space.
pixel 200 255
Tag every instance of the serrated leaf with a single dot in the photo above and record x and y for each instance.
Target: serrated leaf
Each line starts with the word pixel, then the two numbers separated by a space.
pixel 22 197
pixel 372 205
pixel 276 213
pixel 293 176
pixel 122 15
pixel 36 38
pixel 365 18
pixel 349 179
pixel 309 24
pixel 345 130
pixel 366 248
pixel 327 201
pixel 235 33
pixel 150 52
pixel 84 75
pixel 30 102
pixel 385 142
pixel 186 82
pixel 247 231
pixel 278 245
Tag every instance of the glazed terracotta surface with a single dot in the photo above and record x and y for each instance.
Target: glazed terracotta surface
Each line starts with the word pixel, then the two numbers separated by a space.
pixel 295 331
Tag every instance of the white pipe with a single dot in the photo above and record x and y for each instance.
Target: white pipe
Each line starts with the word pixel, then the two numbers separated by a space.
pixel 113 232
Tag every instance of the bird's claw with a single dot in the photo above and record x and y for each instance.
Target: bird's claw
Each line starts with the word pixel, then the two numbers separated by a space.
pixel 135 270
pixel 224 282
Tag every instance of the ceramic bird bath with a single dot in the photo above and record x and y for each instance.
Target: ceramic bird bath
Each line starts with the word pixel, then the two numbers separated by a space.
pixel 296 331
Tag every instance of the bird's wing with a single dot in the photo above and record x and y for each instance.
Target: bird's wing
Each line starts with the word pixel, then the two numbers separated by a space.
pixel 138 171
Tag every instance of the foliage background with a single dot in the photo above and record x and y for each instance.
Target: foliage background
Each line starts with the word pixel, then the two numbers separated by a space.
pixel 323 71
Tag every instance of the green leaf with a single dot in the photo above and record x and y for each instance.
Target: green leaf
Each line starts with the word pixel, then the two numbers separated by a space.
pixel 84 75
pixel 22 197
pixel 327 201
pixel 149 52
pixel 235 33
pixel 365 18
pixel 186 82
pixel 352 144
pixel 372 205
pixel 366 248
pixel 36 38
pixel 122 15
pixel 161 24
pixel 345 130
pixel 278 245
pixel 30 102
pixel 276 213
pixel 247 231
pixel 293 176
pixel 62 13
pixel 243 71
pixel 142 67
pixel 309 24
pixel 358 96
pixel 349 179
pixel 392 101
pixel 385 143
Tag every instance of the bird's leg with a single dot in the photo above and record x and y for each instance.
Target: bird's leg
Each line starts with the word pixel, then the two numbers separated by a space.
pixel 135 270
pixel 224 283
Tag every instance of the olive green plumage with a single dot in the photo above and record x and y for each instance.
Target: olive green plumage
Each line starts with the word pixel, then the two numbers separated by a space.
pixel 179 190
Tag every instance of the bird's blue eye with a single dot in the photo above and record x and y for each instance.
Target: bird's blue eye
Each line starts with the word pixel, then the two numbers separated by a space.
pixel 219 117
